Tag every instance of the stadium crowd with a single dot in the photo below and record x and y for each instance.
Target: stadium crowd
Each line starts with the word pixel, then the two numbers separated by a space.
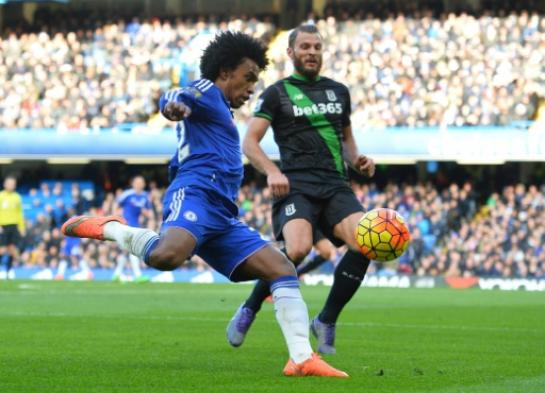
pixel 452 234
pixel 415 70
pixel 103 77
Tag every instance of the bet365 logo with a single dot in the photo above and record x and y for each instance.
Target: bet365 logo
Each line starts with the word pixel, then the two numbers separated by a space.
pixel 318 109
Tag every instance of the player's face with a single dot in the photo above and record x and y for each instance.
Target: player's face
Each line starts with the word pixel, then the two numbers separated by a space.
pixel 9 184
pixel 138 184
pixel 240 84
pixel 306 54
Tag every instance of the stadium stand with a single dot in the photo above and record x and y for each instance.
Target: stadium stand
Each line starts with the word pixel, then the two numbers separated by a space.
pixel 453 234
pixel 414 70
pixel 456 69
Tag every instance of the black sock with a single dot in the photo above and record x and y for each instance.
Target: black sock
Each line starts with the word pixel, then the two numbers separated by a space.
pixel 260 292
pixel 348 277
pixel 258 295
pixel 317 261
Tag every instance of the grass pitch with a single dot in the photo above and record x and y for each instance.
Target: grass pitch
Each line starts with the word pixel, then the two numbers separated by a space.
pixel 103 337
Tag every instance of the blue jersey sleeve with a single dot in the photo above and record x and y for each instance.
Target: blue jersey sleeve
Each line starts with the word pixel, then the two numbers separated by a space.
pixel 187 95
pixel 148 202
pixel 122 199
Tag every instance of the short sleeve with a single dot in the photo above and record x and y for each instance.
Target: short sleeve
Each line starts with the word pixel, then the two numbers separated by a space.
pixel 267 104
pixel 347 108
pixel 187 95
pixel 122 199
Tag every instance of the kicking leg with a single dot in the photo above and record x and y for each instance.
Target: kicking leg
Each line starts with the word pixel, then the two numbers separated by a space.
pixel 165 252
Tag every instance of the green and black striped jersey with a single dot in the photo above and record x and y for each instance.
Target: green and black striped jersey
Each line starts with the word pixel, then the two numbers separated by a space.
pixel 308 118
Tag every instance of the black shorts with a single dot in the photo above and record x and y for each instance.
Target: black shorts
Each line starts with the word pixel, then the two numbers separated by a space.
pixel 323 213
pixel 10 235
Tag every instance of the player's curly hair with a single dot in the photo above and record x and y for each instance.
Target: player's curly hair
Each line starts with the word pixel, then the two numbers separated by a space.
pixel 228 50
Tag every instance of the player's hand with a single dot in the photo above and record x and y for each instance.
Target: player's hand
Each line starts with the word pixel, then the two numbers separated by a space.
pixel 365 165
pixel 176 111
pixel 279 184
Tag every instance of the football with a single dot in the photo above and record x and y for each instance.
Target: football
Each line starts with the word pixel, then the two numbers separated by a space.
pixel 382 235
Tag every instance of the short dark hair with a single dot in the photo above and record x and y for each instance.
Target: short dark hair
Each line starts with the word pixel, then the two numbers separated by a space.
pixel 308 28
pixel 228 50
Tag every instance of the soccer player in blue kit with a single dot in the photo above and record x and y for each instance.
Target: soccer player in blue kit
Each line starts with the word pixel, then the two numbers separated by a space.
pixel 200 214
pixel 135 203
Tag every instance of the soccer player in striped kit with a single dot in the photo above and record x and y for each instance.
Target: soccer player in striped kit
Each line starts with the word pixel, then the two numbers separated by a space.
pixel 310 118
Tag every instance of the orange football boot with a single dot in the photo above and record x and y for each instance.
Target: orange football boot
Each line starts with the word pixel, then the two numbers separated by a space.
pixel 88 227
pixel 313 367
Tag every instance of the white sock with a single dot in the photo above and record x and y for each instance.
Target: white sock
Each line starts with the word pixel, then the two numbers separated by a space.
pixel 292 316
pixel 84 265
pixel 128 238
pixel 121 260
pixel 135 264
pixel 62 267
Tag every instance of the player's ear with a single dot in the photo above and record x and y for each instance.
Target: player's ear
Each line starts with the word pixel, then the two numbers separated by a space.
pixel 290 52
pixel 225 74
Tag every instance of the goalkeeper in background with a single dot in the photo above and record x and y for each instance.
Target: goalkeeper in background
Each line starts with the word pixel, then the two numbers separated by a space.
pixel 12 224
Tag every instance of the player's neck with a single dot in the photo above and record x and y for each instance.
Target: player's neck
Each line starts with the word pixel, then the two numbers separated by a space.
pixel 305 78
pixel 222 85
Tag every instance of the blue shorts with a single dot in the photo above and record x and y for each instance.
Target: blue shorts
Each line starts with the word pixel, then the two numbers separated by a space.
pixel 222 240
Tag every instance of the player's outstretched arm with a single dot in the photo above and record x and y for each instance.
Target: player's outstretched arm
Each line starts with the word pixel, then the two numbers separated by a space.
pixel 359 162
pixel 276 180
pixel 172 107
pixel 176 111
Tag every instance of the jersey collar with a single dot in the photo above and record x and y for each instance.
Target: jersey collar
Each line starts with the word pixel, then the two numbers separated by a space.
pixel 225 100
pixel 303 78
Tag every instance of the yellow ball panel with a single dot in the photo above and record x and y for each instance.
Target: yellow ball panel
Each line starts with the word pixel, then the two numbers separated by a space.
pixel 367 240
pixel 359 239
pixel 383 247
pixel 365 223
pixel 384 256
pixel 385 236
pixel 372 214
pixel 375 239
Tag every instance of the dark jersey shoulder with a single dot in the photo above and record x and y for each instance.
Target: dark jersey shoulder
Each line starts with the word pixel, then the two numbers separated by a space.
pixel 308 119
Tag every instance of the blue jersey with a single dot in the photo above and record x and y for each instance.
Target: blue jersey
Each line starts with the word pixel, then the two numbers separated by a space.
pixel 133 204
pixel 207 172
pixel 208 154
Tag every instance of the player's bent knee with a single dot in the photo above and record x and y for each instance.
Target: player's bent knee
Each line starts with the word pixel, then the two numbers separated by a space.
pixel 298 253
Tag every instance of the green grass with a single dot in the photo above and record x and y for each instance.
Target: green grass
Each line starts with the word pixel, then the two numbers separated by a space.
pixel 103 337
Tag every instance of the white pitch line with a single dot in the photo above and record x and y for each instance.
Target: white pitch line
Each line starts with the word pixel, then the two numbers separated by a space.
pixel 201 319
